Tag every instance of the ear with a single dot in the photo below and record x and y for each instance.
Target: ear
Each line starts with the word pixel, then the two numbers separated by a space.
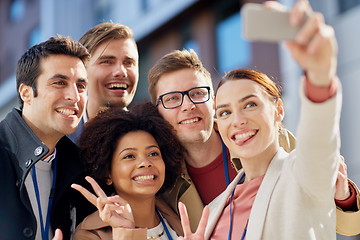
pixel 279 110
pixel 213 100
pixel 26 93
pixel 108 180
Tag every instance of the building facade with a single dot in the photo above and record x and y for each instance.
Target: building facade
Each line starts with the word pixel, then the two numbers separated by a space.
pixel 211 27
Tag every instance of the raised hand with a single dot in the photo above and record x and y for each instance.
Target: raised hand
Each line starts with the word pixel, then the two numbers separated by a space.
pixel 315 48
pixel 113 210
pixel 200 231
pixel 58 235
pixel 342 183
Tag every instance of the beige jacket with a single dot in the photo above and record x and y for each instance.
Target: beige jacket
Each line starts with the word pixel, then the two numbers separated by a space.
pixel 348 223
pixel 296 197
pixel 93 228
pixel 185 191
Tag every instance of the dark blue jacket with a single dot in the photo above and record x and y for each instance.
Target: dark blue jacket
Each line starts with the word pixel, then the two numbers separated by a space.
pixel 20 149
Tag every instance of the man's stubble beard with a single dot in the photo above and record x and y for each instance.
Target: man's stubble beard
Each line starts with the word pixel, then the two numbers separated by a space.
pixel 195 138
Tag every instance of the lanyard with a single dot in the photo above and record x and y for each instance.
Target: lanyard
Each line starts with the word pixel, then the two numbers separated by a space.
pixel 164 225
pixel 231 217
pixel 45 229
pixel 227 178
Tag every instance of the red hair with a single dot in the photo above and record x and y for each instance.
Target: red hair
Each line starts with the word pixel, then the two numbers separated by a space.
pixel 270 86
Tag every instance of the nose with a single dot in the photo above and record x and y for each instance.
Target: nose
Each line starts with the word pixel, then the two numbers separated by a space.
pixel 72 93
pixel 238 119
pixel 187 104
pixel 144 163
pixel 120 71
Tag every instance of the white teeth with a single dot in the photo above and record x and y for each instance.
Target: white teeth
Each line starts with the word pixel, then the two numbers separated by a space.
pixel 143 178
pixel 66 111
pixel 190 121
pixel 117 85
pixel 244 135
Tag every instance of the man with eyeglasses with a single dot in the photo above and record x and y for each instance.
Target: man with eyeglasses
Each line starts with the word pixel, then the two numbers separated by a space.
pixel 175 99
pixel 182 90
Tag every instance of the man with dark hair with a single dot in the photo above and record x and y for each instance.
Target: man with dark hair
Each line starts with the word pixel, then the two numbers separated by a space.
pixel 113 69
pixel 38 164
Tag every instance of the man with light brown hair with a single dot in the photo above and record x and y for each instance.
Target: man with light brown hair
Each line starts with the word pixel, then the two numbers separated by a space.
pixel 113 69
pixel 182 90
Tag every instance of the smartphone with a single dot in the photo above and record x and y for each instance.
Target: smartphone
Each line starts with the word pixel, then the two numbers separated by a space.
pixel 262 24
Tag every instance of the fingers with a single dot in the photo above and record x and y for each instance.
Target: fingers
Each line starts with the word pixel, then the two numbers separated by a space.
pixel 88 195
pixel 324 34
pixel 203 222
pixel 58 235
pixel 342 184
pixel 98 190
pixel 113 200
pixel 300 10
pixel 310 28
pixel 342 169
pixel 274 5
pixel 106 210
pixel 115 211
pixel 184 220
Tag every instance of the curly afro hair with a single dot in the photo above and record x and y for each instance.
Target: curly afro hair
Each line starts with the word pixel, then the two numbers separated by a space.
pixel 100 136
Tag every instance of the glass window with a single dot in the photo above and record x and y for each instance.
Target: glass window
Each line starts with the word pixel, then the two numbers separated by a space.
pixel 17 10
pixel 193 45
pixel 35 37
pixel 149 4
pixel 233 51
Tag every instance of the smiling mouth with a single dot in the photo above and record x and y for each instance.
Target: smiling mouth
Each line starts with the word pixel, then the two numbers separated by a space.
pixel 144 178
pixel 188 121
pixel 244 137
pixel 117 86
pixel 66 111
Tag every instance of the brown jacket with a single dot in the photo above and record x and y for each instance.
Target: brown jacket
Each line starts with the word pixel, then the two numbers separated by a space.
pixel 93 228
pixel 185 191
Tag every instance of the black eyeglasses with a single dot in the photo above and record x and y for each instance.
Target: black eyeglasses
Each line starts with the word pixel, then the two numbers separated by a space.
pixel 175 99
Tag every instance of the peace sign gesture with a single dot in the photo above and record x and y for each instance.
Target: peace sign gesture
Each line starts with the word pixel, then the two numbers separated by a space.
pixel 113 210
pixel 200 231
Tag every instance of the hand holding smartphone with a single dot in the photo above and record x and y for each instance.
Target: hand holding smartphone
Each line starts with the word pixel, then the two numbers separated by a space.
pixel 263 24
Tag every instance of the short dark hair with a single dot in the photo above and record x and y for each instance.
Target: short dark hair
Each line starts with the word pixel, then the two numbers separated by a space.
pixel 28 67
pixel 100 136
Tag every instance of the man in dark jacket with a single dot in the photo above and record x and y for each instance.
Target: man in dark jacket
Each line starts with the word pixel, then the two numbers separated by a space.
pixel 37 162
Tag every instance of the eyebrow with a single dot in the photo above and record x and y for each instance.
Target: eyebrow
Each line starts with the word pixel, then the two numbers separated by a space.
pixel 101 57
pixel 148 147
pixel 64 77
pixel 61 76
pixel 82 80
pixel 241 100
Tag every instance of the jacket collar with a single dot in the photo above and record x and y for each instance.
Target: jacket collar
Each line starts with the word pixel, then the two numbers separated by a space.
pixel 262 200
pixel 23 143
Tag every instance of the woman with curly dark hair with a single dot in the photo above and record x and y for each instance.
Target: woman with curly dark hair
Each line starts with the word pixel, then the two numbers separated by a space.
pixel 137 155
